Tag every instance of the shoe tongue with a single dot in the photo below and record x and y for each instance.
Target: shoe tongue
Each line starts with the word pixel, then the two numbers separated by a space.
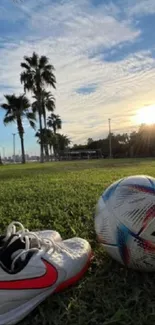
pixel 15 243
pixel 13 246
pixel 16 253
pixel 16 240
pixel 12 239
pixel 17 246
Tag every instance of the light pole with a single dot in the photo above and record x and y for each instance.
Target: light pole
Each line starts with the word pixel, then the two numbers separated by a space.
pixel 110 146
pixel 14 147
pixel 3 152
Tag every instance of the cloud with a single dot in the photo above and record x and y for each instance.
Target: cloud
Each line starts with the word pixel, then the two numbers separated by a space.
pixel 142 7
pixel 80 29
pixel 75 37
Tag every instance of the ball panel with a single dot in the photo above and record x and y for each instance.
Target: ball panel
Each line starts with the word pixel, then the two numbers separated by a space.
pixel 110 190
pixel 102 225
pixel 122 235
pixel 125 220
pixel 130 204
pixel 113 251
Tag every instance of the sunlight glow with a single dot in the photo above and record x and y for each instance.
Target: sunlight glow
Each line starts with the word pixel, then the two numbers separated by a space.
pixel 146 115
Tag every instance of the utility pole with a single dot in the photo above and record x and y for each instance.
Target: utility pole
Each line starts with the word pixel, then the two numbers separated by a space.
pixel 3 152
pixel 110 146
pixel 14 147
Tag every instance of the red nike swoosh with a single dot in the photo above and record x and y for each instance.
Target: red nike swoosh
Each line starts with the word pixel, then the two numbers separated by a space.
pixel 44 281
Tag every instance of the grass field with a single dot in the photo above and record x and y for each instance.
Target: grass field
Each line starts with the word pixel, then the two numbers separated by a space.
pixel 62 196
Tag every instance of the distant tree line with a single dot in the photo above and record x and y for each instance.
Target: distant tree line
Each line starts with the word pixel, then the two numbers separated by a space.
pixel 140 143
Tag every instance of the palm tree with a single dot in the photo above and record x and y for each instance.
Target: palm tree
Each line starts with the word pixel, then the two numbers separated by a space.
pixel 54 122
pixel 48 138
pixel 37 74
pixel 63 141
pixel 52 142
pixel 16 109
pixel 42 135
pixel 47 104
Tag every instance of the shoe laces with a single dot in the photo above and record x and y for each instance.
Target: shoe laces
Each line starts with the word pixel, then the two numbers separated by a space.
pixel 45 245
pixel 12 229
pixel 26 236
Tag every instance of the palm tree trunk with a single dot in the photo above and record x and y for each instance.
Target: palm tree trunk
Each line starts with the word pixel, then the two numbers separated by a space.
pixel 41 141
pixel 41 137
pixel 46 152
pixel 45 123
pixel 22 148
pixel 46 145
pixel 21 135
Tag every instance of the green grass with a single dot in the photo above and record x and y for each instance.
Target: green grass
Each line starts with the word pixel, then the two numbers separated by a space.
pixel 62 196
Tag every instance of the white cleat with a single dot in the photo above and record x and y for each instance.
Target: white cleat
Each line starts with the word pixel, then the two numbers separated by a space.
pixel 32 268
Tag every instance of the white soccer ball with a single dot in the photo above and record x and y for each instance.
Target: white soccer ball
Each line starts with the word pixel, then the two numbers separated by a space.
pixel 125 222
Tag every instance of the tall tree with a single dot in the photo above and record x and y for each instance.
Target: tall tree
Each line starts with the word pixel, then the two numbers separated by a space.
pixel 58 141
pixel 47 104
pixel 63 142
pixel 49 140
pixel 38 74
pixel 54 122
pixel 17 109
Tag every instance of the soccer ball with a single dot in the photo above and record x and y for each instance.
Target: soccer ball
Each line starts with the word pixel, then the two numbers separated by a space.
pixel 125 222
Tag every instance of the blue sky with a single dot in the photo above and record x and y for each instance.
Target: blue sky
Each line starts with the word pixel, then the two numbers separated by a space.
pixel 103 53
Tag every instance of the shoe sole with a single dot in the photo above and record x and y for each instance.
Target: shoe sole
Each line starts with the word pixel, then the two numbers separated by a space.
pixel 17 314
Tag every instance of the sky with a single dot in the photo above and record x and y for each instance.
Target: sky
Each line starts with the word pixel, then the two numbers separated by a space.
pixel 103 52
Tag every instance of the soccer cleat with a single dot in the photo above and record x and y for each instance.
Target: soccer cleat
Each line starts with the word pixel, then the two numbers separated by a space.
pixel 49 234
pixel 32 268
pixel 12 229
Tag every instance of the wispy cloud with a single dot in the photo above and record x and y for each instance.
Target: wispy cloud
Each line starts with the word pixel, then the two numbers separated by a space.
pixel 77 37
pixel 142 7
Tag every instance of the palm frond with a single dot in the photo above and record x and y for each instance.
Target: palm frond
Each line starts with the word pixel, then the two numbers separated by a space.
pixel 9 119
pixel 25 66
pixel 32 124
pixel 43 61
pixel 31 116
pixel 24 102
pixel 33 60
pixel 26 78
pixel 28 60
pixel 37 134
pixel 9 107
pixel 49 78
pixel 10 98
pixel 5 106
pixel 49 67
pixel 50 106
pixel 54 122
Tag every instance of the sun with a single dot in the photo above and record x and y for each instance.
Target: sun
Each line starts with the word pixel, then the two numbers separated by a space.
pixel 146 115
